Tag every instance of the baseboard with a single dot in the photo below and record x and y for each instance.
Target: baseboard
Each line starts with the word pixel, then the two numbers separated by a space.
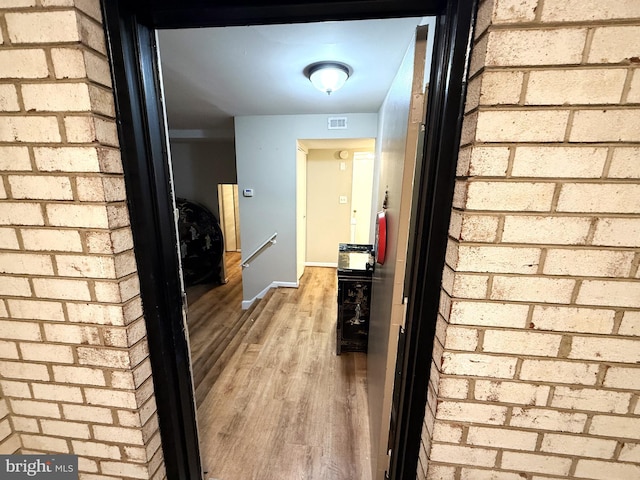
pixel 286 284
pixel 246 304
pixel 321 264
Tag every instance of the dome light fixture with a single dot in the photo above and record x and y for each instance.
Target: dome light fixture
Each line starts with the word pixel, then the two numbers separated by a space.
pixel 328 77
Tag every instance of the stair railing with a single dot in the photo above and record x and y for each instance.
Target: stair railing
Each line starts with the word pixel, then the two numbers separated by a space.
pixel 267 243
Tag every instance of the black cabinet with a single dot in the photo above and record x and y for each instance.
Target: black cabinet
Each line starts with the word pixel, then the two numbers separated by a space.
pixel 355 272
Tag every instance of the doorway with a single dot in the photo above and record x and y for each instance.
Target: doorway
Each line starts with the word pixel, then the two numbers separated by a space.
pixel 340 195
pixel 264 174
pixel 229 215
pixel 132 40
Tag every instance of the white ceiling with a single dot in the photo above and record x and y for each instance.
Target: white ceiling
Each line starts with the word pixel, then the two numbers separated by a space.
pixel 213 74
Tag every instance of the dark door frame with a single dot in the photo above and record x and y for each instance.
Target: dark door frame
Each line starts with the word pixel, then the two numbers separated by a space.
pixel 131 43
pixel 431 211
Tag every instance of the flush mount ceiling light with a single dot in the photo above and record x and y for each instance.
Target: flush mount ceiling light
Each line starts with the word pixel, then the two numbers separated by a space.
pixel 328 76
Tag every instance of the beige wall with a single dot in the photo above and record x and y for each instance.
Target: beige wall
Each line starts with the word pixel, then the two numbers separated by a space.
pixel 328 221
pixel 74 366
pixel 536 369
pixel 363 166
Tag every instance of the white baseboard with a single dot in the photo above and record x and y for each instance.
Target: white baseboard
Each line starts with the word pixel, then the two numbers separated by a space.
pixel 286 284
pixel 247 303
pixel 321 264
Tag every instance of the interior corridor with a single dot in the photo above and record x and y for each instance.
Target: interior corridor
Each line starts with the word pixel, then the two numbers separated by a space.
pixel 277 403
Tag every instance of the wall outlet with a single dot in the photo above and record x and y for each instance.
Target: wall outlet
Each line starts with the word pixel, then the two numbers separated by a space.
pixel 343 199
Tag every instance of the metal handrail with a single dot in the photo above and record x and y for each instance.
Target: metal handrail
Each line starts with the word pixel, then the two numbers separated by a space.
pixel 269 241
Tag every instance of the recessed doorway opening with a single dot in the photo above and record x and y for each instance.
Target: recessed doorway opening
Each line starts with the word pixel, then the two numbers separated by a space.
pixel 256 367
pixel 141 127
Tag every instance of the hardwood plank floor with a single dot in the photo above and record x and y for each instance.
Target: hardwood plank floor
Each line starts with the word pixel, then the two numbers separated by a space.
pixel 283 405
pixel 216 325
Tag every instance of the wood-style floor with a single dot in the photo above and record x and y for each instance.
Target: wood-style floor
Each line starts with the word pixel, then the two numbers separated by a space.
pixel 274 400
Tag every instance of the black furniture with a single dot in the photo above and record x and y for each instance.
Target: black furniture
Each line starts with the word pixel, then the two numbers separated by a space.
pixel 201 243
pixel 355 272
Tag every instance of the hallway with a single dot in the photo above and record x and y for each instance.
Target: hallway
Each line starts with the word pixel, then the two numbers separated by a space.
pixel 283 405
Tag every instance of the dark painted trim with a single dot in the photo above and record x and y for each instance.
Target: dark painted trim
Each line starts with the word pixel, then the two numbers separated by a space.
pixel 131 48
pixel 198 13
pixel 130 26
pixel 432 202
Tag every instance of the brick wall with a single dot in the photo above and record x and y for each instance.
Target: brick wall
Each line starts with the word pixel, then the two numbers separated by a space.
pixel 74 367
pixel 536 371
pixel 9 439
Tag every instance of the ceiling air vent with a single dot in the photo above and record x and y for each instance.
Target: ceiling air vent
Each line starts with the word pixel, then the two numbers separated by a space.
pixel 336 123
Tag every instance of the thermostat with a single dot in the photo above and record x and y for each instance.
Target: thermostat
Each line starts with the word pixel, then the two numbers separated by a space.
pixel 247 192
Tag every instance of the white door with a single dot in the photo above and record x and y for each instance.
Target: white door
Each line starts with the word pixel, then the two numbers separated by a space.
pixel 301 210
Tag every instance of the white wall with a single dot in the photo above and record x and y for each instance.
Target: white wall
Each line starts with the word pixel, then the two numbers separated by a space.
pixel 266 161
pixel 199 166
